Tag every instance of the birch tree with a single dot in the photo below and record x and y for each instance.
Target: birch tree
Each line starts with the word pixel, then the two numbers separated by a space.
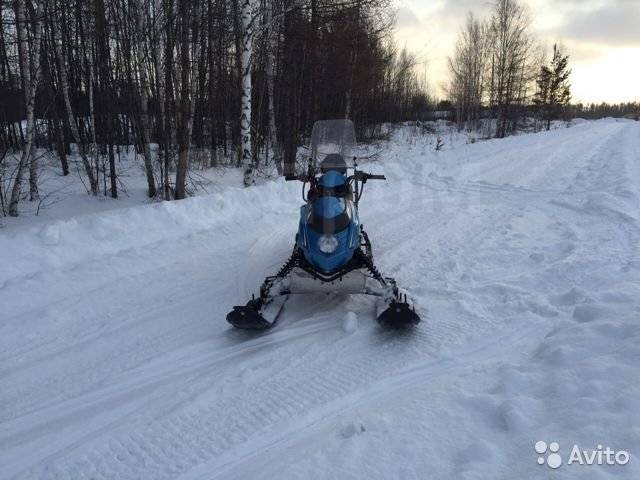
pixel 467 72
pixel 247 19
pixel 511 49
pixel 30 73
pixel 239 81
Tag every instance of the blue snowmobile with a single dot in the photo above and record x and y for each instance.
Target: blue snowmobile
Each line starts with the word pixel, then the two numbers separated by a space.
pixel 332 252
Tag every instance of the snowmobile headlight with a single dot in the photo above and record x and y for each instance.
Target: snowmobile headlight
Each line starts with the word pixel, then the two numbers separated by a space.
pixel 327 243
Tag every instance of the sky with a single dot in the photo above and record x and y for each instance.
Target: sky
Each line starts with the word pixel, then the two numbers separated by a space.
pixel 602 38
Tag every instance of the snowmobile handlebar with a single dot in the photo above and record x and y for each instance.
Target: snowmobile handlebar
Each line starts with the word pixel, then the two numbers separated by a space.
pixel 368 176
pixel 301 178
pixel 356 182
pixel 358 175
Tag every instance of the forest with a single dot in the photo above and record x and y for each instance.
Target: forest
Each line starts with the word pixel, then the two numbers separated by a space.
pixel 233 82
pixel 196 84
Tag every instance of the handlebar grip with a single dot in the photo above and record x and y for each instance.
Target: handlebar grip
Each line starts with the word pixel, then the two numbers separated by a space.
pixel 301 178
pixel 376 177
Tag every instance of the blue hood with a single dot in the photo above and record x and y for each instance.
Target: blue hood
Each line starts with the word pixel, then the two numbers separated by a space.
pixel 332 179
pixel 328 207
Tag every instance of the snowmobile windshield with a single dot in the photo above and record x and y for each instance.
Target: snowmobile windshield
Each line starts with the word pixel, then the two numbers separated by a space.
pixel 330 215
pixel 332 137
pixel 333 162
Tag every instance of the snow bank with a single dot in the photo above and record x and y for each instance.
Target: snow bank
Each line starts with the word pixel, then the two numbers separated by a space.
pixel 73 241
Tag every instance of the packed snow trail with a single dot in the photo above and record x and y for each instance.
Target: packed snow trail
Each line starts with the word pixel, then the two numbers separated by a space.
pixel 523 255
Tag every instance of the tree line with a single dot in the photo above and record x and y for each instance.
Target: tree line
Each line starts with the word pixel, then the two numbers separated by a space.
pixel 499 76
pixel 498 71
pixel 190 83
pixel 591 111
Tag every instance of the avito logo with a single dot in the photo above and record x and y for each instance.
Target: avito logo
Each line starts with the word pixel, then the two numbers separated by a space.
pixel 598 456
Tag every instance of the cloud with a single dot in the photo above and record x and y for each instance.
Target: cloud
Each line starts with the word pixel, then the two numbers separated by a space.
pixel 457 7
pixel 460 8
pixel 602 38
pixel 614 24
pixel 583 52
pixel 405 17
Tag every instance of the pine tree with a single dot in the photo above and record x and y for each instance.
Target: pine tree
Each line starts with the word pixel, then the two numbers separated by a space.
pixel 554 89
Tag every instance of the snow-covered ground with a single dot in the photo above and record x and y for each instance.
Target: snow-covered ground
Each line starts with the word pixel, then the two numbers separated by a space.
pixel 62 197
pixel 523 254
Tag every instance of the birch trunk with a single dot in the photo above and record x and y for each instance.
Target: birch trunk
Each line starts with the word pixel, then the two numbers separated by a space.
pixel 30 85
pixel 36 67
pixel 246 17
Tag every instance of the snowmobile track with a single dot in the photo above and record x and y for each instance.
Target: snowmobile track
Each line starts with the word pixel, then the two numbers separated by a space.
pixel 175 444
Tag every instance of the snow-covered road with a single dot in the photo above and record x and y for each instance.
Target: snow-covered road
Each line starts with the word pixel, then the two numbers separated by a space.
pixel 523 253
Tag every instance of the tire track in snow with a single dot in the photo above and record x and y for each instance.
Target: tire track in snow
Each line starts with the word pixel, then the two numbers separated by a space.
pixel 176 443
pixel 275 400
pixel 166 386
pixel 268 450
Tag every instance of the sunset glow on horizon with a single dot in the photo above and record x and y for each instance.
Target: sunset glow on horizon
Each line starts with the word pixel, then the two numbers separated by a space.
pixel 602 38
